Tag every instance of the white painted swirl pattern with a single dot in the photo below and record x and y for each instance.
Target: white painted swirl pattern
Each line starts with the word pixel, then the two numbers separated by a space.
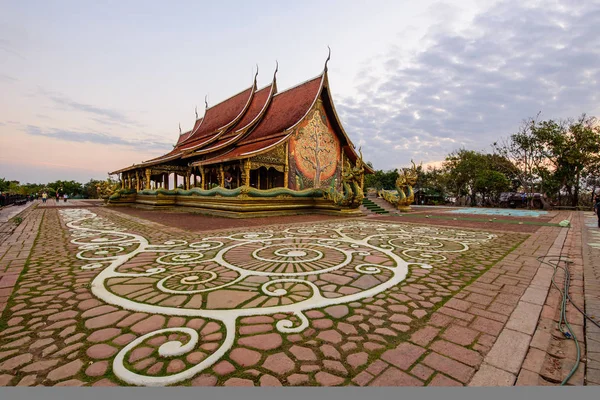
pixel 271 267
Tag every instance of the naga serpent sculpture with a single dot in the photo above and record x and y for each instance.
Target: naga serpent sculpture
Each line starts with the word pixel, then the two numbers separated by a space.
pixel 404 187
pixel 352 192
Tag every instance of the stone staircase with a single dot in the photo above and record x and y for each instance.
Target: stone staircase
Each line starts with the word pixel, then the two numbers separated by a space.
pixel 376 205
pixel 369 206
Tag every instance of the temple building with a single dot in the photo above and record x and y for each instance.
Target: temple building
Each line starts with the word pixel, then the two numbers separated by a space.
pixel 258 144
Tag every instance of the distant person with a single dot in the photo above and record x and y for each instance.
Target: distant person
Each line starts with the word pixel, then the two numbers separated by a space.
pixel 65 197
pixel 597 209
pixel 228 182
pixel 44 197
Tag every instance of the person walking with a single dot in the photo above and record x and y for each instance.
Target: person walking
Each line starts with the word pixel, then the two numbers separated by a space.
pixel 597 208
pixel 228 180
pixel 66 196
pixel 44 197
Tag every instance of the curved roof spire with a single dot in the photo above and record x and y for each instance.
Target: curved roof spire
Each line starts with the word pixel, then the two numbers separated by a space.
pixel 196 111
pixel 206 101
pixel 180 128
pixel 255 75
pixel 275 77
pixel 328 58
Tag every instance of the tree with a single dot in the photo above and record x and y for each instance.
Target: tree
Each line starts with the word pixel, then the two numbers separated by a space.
pixel 573 147
pixel 525 151
pixel 462 167
pixel 491 184
pixel 4 185
pixel 476 174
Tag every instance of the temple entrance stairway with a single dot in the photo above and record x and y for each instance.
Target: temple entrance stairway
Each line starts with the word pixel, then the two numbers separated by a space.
pixel 375 205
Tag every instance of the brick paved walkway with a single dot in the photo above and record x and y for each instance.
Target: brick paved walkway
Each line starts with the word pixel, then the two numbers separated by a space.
pixel 301 304
pixel 591 267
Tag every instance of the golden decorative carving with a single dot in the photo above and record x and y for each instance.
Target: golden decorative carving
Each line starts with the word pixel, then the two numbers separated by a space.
pixel 404 184
pixel 148 176
pixel 275 156
pixel 351 194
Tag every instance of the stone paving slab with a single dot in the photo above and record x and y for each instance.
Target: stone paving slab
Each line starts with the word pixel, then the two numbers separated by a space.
pixel 8 212
pixel 160 316
pixel 591 269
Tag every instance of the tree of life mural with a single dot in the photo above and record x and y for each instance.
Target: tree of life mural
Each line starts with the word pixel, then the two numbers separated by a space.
pixel 316 149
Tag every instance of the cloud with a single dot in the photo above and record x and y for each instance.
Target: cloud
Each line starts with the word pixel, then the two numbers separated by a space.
pixel 469 88
pixel 7 78
pixel 102 115
pixel 96 137
pixel 6 46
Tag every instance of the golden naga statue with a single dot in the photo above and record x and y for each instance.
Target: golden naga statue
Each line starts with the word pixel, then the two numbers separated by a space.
pixel 352 192
pixel 106 188
pixel 404 186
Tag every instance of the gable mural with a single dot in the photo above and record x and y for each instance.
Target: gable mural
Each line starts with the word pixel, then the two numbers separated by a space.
pixel 314 152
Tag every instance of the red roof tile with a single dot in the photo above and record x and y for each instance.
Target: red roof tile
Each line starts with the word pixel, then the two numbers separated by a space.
pixel 286 109
pixel 220 115
pixel 257 105
pixel 183 137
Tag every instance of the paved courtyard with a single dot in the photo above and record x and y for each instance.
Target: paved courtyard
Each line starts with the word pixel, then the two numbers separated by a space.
pixel 95 296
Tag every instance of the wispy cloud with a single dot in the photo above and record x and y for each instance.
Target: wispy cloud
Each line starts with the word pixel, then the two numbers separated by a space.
pixel 469 88
pixel 7 78
pixel 95 137
pixel 7 47
pixel 102 115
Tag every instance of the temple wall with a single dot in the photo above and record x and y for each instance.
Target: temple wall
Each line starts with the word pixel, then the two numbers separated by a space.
pixel 314 152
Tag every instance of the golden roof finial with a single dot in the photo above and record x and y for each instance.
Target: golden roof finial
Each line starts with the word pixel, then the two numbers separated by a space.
pixel 328 58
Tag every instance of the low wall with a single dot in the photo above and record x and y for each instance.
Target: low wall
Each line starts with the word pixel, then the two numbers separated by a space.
pixel 242 202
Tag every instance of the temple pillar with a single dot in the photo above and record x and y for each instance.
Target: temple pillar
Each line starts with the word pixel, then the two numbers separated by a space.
pixel 166 178
pixel 247 173
pixel 122 181
pixel 137 181
pixel 202 178
pixel 188 177
pixel 148 176
pixel 286 167
pixel 222 176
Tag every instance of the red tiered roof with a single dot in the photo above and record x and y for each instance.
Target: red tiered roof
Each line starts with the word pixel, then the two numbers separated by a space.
pixel 287 109
pixel 249 123
pixel 259 102
pixel 182 138
pixel 220 116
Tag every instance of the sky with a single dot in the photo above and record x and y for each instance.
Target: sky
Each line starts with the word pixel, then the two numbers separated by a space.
pixel 91 87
